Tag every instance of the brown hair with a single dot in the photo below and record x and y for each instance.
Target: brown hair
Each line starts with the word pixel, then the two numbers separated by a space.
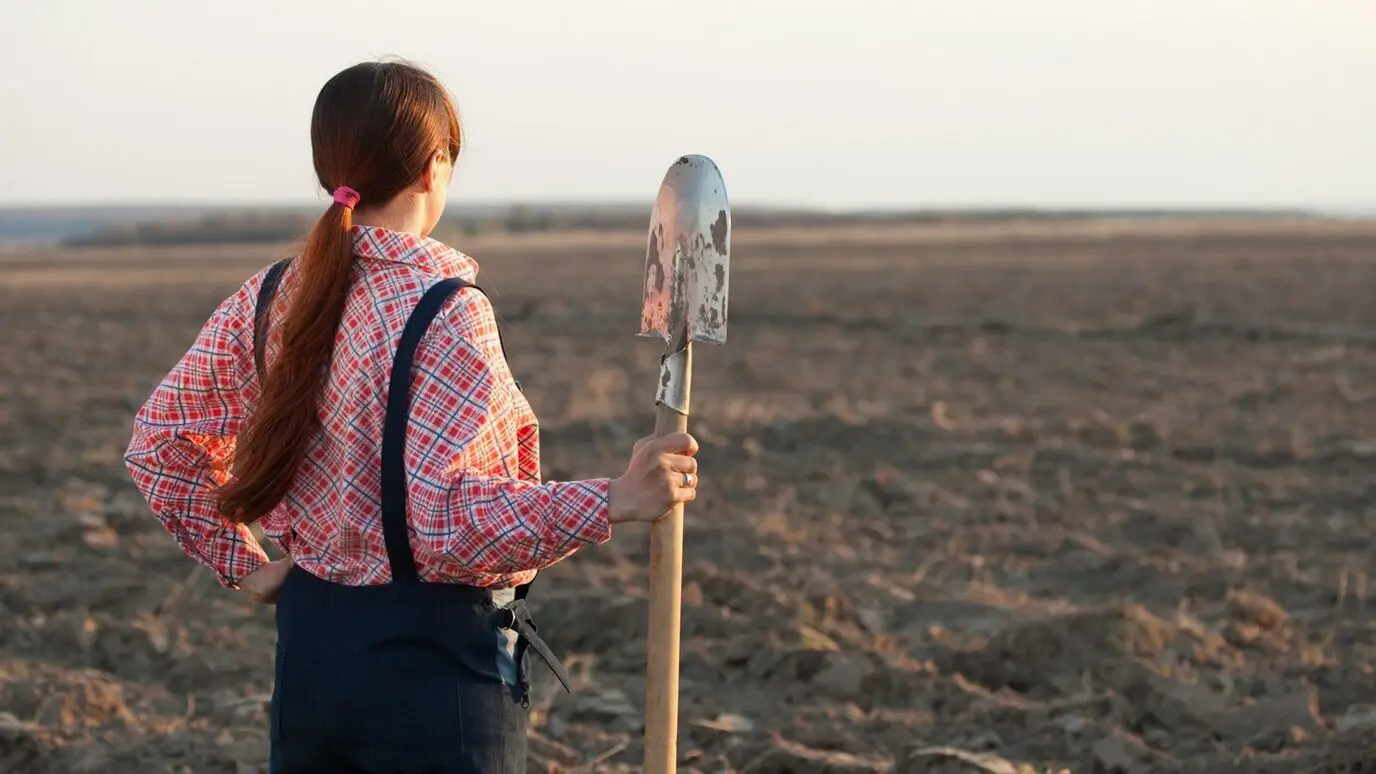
pixel 375 128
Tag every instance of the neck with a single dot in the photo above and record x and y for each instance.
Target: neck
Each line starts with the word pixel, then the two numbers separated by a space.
pixel 404 214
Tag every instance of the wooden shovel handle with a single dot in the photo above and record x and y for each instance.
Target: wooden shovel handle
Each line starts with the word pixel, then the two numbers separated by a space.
pixel 662 657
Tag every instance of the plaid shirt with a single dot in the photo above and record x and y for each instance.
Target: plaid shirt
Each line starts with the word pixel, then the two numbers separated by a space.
pixel 477 510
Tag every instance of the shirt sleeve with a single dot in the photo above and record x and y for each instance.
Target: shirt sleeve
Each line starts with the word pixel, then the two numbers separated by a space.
pixel 462 406
pixel 182 447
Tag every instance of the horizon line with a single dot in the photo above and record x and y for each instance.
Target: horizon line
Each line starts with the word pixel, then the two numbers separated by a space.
pixel 456 206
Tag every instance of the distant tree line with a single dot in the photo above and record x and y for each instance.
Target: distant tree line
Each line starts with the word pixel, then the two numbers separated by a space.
pixel 283 226
pixel 210 229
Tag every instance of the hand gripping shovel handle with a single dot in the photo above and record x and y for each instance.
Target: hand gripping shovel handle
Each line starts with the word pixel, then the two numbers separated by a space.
pixel 666 585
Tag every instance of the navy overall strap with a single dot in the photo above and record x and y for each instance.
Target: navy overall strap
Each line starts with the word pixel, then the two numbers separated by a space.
pixel 260 312
pixel 394 530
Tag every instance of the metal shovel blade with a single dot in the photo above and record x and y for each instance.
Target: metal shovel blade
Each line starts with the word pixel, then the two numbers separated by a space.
pixel 687 261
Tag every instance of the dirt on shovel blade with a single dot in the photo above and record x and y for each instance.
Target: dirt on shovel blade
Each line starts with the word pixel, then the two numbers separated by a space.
pixel 1085 497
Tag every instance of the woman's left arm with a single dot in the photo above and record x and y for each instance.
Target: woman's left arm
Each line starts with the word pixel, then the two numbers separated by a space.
pixel 182 447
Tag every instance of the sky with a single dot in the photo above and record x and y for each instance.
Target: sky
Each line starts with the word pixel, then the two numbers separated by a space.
pixel 839 105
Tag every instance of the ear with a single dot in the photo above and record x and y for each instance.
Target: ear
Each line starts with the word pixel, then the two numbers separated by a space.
pixel 427 180
pixel 433 169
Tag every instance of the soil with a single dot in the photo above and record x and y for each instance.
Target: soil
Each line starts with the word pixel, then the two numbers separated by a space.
pixel 1086 497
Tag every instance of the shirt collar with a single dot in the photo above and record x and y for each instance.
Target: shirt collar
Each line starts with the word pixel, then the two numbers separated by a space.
pixel 430 255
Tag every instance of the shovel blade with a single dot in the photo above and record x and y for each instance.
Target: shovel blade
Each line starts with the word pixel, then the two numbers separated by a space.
pixel 687 260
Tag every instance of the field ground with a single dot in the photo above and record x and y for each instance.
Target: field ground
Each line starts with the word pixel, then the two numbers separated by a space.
pixel 1087 497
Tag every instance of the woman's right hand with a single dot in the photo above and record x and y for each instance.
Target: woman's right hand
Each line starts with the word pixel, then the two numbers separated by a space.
pixel 661 474
pixel 263 584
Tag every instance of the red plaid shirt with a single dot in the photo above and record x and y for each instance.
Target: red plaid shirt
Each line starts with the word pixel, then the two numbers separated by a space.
pixel 477 510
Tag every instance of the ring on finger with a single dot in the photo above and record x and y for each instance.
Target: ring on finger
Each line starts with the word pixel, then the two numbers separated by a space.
pixel 687 480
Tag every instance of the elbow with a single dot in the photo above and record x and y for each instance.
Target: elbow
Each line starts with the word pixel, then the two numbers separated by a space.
pixel 137 454
pixel 133 454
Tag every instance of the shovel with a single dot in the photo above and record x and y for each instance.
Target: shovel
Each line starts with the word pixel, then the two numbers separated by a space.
pixel 686 273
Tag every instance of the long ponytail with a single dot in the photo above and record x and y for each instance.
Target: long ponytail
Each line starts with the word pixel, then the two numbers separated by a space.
pixel 376 126
pixel 271 448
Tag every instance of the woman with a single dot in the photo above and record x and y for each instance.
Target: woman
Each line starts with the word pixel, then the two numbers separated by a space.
pixel 356 402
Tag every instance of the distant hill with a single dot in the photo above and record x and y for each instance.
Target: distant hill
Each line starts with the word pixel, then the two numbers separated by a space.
pixel 169 225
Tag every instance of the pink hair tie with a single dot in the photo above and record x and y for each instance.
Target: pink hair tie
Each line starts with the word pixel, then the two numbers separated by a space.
pixel 346 196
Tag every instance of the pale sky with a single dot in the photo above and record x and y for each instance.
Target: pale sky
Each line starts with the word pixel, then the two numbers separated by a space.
pixel 902 103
